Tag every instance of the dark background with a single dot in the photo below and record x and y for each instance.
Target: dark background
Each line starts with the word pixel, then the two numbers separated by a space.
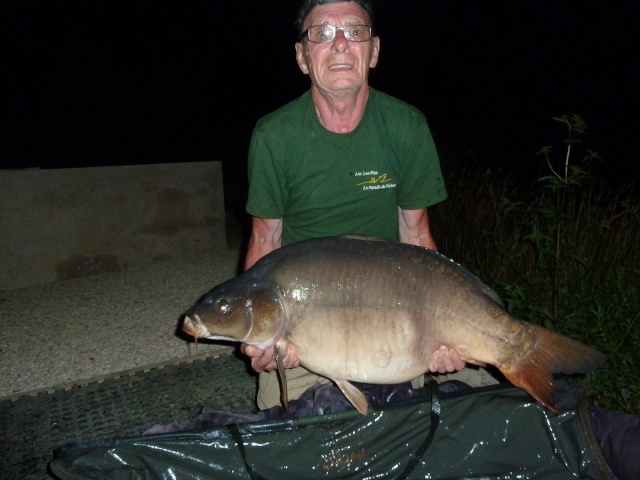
pixel 105 82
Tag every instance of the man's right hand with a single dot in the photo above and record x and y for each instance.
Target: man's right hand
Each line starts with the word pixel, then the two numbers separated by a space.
pixel 264 360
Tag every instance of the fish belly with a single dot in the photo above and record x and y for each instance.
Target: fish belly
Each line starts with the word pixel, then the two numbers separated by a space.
pixel 361 344
pixel 377 313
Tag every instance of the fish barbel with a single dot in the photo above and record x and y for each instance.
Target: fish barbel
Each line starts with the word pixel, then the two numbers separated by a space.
pixel 366 310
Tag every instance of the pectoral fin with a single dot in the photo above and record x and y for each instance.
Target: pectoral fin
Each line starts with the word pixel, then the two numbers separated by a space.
pixel 354 395
pixel 278 356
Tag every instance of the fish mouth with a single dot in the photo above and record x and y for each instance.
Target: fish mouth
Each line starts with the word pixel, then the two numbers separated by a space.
pixel 195 328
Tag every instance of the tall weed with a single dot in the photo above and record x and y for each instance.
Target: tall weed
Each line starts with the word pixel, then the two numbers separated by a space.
pixel 562 251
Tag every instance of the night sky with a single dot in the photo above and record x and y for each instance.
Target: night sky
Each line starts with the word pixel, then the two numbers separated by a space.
pixel 98 83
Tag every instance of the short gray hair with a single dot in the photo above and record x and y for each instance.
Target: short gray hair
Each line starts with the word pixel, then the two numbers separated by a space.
pixel 309 5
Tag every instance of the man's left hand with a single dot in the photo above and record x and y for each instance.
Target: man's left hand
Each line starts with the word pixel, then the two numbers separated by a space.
pixel 446 360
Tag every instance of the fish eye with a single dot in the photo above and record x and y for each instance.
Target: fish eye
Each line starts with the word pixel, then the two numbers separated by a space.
pixel 223 306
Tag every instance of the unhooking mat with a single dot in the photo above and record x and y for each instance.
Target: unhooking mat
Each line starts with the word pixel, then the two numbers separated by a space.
pixel 496 432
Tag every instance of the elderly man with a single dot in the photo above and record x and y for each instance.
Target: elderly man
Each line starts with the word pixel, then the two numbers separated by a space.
pixel 345 158
pixel 342 158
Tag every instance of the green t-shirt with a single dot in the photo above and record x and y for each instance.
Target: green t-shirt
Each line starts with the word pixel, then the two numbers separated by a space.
pixel 324 183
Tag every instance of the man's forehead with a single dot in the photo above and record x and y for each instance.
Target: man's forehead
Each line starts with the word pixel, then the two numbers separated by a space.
pixel 349 12
pixel 362 7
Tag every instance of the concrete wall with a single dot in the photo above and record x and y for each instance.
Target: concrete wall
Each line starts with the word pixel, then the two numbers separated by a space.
pixel 61 224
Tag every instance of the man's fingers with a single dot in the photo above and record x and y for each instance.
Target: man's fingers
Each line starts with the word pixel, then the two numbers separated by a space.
pixel 264 361
pixel 250 350
pixel 446 361
pixel 291 360
pixel 262 364
pixel 458 363
pixel 440 356
pixel 261 361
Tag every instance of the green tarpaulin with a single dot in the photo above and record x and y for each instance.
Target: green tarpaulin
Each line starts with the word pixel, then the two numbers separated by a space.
pixel 490 433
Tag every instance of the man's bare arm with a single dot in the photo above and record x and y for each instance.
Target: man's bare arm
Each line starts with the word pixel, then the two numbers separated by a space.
pixel 266 236
pixel 414 228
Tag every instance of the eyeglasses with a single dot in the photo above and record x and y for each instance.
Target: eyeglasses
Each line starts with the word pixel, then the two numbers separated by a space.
pixel 327 33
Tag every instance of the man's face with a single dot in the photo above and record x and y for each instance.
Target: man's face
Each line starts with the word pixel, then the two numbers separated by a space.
pixel 338 67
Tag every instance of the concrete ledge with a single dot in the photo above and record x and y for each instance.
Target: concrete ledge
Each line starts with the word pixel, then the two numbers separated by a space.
pixel 66 223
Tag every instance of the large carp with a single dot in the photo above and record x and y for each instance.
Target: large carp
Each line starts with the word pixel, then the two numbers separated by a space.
pixel 366 310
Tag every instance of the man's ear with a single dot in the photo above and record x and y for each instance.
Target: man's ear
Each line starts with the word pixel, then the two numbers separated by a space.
pixel 301 58
pixel 375 52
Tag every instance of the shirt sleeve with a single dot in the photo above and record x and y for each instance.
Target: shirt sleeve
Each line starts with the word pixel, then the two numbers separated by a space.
pixel 266 197
pixel 421 183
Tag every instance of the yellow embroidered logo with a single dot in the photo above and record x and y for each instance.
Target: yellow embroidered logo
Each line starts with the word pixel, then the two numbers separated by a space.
pixel 376 181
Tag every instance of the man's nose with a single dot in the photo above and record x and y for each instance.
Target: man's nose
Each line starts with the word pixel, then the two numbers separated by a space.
pixel 340 43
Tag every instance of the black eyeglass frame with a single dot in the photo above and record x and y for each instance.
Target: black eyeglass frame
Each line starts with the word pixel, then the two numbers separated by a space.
pixel 335 28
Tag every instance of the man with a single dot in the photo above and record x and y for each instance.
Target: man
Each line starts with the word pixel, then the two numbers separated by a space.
pixel 342 158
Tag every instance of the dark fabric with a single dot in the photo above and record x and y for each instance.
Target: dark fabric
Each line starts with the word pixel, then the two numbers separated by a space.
pixel 492 432
pixel 619 437
pixel 617 434
pixel 318 400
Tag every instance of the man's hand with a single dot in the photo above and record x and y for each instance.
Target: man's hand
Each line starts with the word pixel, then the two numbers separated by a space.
pixel 446 361
pixel 264 361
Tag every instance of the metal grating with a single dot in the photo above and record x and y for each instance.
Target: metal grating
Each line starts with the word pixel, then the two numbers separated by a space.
pixel 126 405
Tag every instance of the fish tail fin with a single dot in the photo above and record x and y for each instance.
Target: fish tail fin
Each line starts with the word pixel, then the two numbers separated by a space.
pixel 551 353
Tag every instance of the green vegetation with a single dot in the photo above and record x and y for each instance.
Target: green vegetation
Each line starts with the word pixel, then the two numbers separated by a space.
pixel 562 252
